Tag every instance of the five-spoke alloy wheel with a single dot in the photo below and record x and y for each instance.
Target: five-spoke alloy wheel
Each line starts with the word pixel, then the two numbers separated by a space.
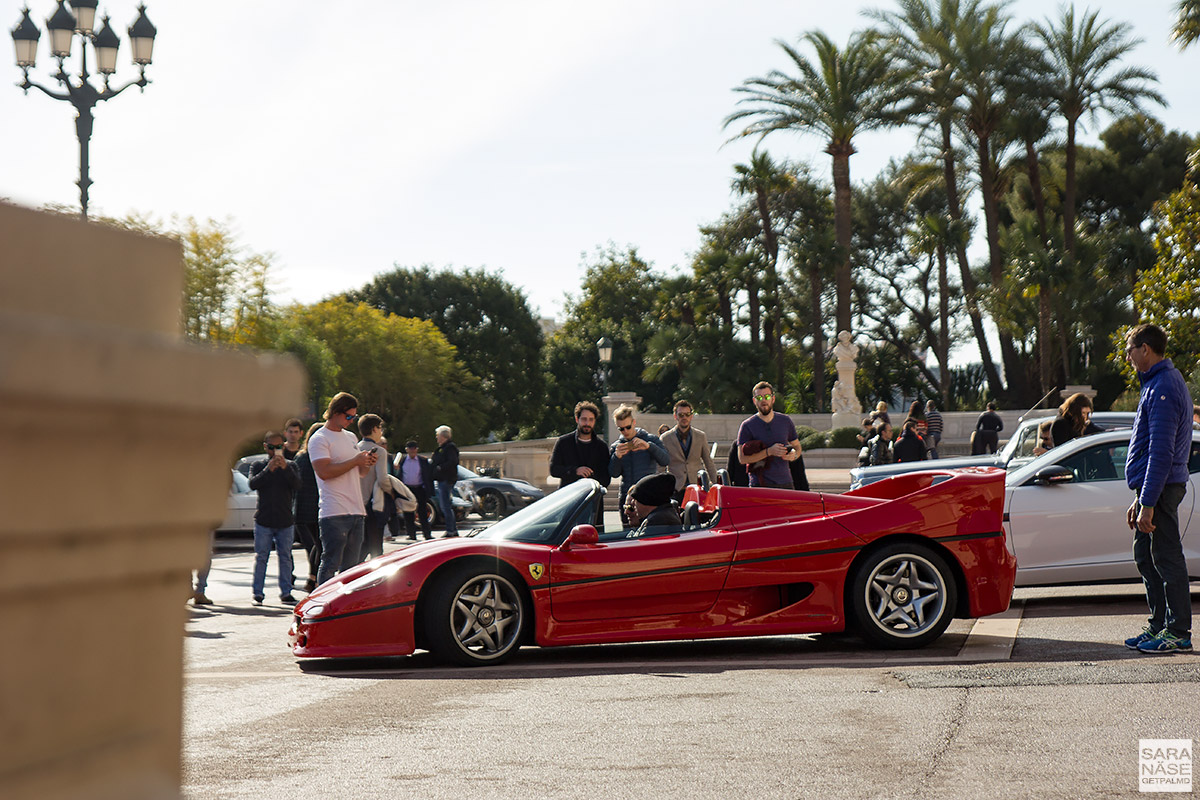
pixel 903 595
pixel 474 616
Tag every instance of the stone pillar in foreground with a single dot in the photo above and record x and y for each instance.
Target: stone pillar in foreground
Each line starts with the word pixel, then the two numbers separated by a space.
pixel 115 467
pixel 847 410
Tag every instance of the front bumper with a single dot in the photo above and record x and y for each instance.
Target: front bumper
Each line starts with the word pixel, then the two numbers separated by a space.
pixel 383 631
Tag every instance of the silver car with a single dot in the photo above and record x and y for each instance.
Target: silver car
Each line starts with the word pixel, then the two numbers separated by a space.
pixel 1017 451
pixel 1064 513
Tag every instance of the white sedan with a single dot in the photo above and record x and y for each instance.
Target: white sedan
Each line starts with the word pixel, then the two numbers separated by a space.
pixel 1065 513
pixel 239 514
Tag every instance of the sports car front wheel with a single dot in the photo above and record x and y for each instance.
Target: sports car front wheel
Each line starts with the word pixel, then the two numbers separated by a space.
pixel 903 596
pixel 474 616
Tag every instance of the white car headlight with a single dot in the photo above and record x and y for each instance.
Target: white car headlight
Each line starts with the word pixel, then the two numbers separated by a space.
pixel 372 578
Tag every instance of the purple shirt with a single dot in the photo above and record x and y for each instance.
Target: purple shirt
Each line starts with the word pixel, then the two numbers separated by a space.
pixel 779 430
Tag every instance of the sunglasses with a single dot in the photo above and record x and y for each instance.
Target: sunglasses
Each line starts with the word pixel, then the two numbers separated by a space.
pixel 683 414
pixel 764 397
pixel 350 417
pixel 625 427
pixel 274 447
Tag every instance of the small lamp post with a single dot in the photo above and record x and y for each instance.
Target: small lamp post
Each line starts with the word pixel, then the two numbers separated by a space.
pixel 63 25
pixel 604 347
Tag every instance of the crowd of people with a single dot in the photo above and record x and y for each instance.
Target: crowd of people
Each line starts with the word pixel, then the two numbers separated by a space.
pixel 339 495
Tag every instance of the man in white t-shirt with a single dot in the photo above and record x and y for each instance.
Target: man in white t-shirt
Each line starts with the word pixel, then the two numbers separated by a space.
pixel 339 466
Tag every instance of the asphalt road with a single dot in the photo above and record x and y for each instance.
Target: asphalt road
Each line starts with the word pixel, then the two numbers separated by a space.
pixel 1042 702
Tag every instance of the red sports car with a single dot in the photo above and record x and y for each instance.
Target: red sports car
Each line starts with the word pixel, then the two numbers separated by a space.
pixel 898 559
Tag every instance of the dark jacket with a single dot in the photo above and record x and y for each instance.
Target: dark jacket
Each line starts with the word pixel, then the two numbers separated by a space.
pixel 989 421
pixel 635 466
pixel 736 469
pixel 276 489
pixel 663 519
pixel 308 498
pixel 570 454
pixel 1063 430
pixel 445 463
pixel 909 446
pixel 880 450
pixel 426 471
pixel 1162 433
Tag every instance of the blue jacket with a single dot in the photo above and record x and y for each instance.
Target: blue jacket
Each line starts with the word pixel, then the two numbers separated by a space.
pixel 1162 433
pixel 636 466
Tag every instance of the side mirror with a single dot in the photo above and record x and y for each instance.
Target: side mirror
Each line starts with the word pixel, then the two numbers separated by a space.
pixel 581 535
pixel 702 480
pixel 1053 474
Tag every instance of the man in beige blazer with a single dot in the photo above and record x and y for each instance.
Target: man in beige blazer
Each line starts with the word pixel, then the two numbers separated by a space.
pixel 687 448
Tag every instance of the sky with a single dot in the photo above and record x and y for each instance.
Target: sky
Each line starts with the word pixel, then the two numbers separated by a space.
pixel 349 138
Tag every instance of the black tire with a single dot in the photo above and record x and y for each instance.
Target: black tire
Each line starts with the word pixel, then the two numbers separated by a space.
pixel 903 596
pixel 432 515
pixel 491 504
pixel 475 616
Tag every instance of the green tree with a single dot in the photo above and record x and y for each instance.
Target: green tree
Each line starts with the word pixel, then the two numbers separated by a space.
pixel 226 289
pixel 1168 294
pixel 844 92
pixel 490 323
pixel 401 368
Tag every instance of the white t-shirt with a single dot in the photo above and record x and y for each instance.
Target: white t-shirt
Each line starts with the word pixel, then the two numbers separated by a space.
pixel 343 494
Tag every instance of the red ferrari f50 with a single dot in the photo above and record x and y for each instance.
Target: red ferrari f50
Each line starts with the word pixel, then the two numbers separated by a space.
pixel 898 559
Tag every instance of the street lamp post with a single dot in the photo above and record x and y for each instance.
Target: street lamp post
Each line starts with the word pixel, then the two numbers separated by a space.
pixel 604 347
pixel 63 26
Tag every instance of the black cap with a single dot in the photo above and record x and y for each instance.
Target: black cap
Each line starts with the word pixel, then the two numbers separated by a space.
pixel 410 443
pixel 655 490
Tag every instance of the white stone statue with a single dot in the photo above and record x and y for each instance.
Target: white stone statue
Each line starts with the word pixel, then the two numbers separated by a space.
pixel 847 410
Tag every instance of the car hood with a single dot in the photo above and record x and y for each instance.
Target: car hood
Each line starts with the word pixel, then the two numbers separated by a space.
pixel 358 580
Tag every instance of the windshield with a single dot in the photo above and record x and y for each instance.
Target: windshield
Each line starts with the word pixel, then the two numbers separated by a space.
pixel 544 519
pixel 465 474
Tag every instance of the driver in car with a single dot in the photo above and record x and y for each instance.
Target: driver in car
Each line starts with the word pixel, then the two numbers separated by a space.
pixel 649 503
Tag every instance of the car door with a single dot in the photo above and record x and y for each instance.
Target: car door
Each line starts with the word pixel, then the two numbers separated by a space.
pixel 1075 531
pixel 676 573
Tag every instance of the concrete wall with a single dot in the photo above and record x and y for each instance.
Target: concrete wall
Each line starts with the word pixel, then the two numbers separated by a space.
pixel 116 447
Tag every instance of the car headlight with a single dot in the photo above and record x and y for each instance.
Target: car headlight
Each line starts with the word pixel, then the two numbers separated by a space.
pixel 371 579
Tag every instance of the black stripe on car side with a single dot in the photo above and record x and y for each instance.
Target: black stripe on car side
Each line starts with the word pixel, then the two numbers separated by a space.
pixel 389 607
pixel 764 559
pixel 727 564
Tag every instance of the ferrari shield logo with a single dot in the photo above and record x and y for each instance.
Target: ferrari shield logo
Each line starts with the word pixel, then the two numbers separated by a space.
pixel 536 571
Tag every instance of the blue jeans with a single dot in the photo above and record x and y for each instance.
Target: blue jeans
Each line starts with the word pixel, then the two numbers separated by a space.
pixel 341 539
pixel 1159 558
pixel 264 540
pixel 447 507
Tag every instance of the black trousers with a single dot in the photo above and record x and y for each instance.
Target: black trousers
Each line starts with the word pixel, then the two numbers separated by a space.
pixel 310 540
pixel 410 517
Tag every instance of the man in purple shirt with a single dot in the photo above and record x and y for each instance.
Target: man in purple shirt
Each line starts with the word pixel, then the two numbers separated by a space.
pixel 767 442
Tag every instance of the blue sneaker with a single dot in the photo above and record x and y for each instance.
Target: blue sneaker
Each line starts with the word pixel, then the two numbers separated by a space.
pixel 1146 635
pixel 1165 644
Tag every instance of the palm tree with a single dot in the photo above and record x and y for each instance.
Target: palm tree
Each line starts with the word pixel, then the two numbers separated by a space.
pixel 1187 23
pixel 1085 64
pixel 843 93
pixel 924 32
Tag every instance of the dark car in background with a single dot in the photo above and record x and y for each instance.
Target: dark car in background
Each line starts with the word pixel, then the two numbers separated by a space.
pixel 496 497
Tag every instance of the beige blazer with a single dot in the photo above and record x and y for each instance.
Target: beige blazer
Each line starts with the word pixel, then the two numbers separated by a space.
pixel 698 458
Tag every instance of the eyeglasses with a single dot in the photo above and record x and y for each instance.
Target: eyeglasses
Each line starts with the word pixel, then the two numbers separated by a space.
pixel 764 397
pixel 1133 347
pixel 625 427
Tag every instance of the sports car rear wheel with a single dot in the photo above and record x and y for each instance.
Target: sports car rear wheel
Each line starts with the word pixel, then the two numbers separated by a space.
pixel 474 616
pixel 903 596
pixel 491 504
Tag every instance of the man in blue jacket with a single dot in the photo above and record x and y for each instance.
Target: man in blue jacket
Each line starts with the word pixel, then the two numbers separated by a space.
pixel 634 454
pixel 1156 468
